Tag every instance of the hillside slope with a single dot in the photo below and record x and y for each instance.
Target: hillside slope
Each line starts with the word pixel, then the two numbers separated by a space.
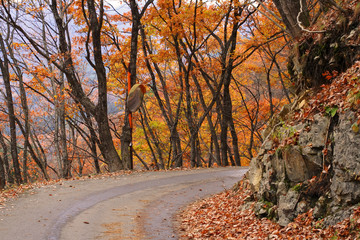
pixel 305 180
pixel 310 156
pixel 312 159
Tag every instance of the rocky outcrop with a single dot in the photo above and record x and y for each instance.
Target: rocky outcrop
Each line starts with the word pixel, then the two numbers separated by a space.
pixel 311 164
pixel 312 161
pixel 345 187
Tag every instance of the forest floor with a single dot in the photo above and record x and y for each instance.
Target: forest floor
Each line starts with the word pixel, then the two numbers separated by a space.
pixel 229 215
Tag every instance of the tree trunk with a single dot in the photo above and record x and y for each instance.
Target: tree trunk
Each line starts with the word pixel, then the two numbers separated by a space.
pixel 289 10
pixel 189 113
pixel 175 145
pixel 101 115
pixel 93 140
pixel 155 140
pixel 143 120
pixel 126 139
pixel 235 142
pixel 2 174
pixel 8 174
pixel 66 163
pixel 27 127
pixel 4 65
pixel 225 121
pixel 37 158
pixel 25 108
pixel 214 137
pixel 106 144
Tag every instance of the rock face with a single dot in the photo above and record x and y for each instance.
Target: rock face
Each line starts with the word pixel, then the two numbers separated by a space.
pixel 296 176
pixel 315 163
pixel 345 187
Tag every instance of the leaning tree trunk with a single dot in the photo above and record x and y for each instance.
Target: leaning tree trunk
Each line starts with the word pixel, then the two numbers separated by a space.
pixel 93 140
pixel 25 109
pixel 289 10
pixel 176 158
pixel 4 65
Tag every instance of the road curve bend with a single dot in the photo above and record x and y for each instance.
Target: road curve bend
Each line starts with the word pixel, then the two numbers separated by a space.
pixel 135 206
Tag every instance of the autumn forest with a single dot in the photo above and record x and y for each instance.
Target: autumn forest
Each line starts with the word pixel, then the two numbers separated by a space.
pixel 214 72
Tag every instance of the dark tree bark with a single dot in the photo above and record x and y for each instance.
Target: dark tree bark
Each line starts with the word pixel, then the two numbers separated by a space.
pixel 214 137
pixel 289 10
pixel 35 154
pixel 66 65
pixel 4 65
pixel 27 127
pixel 93 141
pixel 101 115
pixel 227 62
pixel 235 143
pixel 25 109
pixel 126 137
pixel 9 176
pixel 225 121
pixel 2 174
pixel 143 123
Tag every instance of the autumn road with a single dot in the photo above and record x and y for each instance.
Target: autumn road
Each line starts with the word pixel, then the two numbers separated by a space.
pixel 136 206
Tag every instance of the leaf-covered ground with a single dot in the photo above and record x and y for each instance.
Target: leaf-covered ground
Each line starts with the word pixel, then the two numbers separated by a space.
pixel 224 217
pixel 341 95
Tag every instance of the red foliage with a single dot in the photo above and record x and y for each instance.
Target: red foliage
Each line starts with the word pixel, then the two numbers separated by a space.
pixel 220 217
pixel 342 93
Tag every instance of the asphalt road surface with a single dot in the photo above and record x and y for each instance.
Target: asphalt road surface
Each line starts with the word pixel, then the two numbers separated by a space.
pixel 136 206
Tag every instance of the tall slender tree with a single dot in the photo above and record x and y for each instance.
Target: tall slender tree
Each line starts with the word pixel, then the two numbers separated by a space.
pixel 4 66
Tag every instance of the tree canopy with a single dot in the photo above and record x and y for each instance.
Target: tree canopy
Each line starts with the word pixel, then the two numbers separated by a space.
pixel 215 73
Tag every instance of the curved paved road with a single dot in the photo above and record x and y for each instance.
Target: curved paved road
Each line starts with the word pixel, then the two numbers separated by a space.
pixel 136 206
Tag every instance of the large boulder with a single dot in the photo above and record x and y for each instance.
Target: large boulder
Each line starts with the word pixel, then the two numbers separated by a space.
pixel 296 169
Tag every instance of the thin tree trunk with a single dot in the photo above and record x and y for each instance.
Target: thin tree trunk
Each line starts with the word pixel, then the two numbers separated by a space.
pixel 154 138
pixel 171 121
pixel 4 65
pixel 93 141
pixel 214 138
pixel 41 163
pixel 25 108
pixel 63 139
pixel 9 176
pixel 2 174
pixel 156 165
pixel 235 143
pixel 27 128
